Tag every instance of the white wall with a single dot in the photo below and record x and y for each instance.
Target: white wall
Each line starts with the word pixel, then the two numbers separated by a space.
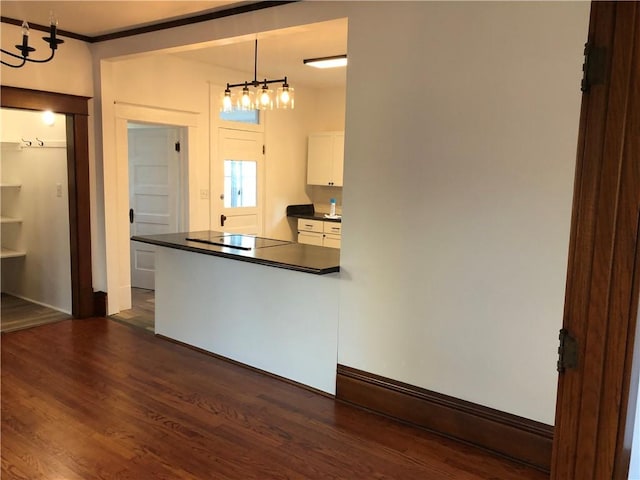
pixel 459 196
pixel 44 274
pixel 461 129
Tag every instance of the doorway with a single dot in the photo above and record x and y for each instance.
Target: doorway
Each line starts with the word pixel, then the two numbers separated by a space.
pixel 75 110
pixel 117 213
pixel 156 184
pixel 36 275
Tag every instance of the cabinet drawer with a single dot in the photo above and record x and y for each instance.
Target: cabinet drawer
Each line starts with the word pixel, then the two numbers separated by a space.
pixel 310 238
pixel 310 225
pixel 334 228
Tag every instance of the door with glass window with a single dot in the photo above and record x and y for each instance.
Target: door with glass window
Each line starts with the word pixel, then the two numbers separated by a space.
pixel 241 186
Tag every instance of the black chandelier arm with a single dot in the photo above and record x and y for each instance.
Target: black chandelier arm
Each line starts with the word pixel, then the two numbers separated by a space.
pixel 27 59
pixel 25 49
pixel 34 60
pixel 7 52
pixel 24 60
pixel 256 83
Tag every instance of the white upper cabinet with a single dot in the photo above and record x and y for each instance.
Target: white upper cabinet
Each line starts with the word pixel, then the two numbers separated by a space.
pixel 325 159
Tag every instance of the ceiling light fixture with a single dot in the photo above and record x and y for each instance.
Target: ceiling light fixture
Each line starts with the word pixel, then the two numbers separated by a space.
pixel 262 99
pixel 327 62
pixel 25 49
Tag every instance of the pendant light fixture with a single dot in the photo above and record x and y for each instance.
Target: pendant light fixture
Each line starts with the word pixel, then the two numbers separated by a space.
pixel 256 94
pixel 25 50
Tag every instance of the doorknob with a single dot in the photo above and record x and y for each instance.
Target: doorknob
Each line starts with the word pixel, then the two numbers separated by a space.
pixel 223 217
pixel 131 215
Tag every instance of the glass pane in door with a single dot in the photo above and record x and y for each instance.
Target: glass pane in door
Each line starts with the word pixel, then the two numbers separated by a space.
pixel 240 183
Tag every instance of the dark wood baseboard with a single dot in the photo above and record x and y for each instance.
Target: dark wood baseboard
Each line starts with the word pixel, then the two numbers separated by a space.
pixel 100 304
pixel 508 435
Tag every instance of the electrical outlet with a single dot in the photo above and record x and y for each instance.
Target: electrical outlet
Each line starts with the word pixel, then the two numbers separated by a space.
pixel 58 189
pixel 204 194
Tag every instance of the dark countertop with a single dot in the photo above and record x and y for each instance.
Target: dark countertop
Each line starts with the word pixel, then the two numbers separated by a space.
pixel 315 216
pixel 308 211
pixel 275 253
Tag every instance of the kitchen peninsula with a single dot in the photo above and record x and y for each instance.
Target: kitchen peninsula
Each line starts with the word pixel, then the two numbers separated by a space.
pixel 270 304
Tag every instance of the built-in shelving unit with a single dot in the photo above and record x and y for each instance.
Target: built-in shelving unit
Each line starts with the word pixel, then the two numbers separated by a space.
pixel 8 253
pixel 10 220
pixel 11 145
pixel 10 214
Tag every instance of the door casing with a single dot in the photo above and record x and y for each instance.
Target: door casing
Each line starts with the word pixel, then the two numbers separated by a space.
pixel 595 407
pixel 117 220
pixel 76 110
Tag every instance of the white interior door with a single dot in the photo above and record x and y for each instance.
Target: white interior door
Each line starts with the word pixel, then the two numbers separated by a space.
pixel 240 182
pixel 154 193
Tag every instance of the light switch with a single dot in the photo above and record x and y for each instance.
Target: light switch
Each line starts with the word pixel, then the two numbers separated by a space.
pixel 58 189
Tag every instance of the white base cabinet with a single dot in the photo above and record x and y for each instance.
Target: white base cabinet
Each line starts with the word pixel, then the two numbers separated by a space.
pixel 318 232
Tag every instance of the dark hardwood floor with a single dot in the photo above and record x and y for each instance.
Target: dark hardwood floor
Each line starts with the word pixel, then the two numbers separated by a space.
pixel 97 399
pixel 142 313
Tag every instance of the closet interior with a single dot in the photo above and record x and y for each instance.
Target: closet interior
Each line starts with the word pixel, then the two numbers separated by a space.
pixel 34 218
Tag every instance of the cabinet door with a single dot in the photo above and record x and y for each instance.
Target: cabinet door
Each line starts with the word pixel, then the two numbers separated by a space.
pixel 331 241
pixel 319 159
pixel 310 238
pixel 337 163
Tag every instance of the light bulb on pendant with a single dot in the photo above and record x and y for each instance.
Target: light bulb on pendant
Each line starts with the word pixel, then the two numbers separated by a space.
pixel 246 100
pixel 285 97
pixel 226 105
pixel 265 98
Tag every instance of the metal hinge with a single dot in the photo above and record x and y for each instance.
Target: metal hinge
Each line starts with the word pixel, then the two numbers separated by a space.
pixel 263 149
pixel 567 351
pixel 594 66
pixel 178 146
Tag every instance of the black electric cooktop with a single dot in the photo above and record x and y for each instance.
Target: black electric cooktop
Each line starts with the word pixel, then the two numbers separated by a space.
pixel 235 240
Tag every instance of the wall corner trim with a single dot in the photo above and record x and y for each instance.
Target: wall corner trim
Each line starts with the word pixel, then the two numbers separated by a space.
pixel 520 439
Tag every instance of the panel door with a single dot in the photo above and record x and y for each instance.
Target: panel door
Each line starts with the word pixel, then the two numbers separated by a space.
pixel 154 179
pixel 240 182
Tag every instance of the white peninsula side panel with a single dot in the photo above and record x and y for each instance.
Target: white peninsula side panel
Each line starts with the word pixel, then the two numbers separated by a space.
pixel 280 321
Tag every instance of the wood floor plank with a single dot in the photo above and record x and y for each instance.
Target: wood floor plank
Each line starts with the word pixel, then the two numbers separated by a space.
pixel 17 314
pixel 97 399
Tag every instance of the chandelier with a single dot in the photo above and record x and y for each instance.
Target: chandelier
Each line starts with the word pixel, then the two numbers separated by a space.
pixel 260 97
pixel 25 49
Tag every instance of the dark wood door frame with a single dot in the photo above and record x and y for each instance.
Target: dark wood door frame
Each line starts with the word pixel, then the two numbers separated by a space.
pixel 596 401
pixel 76 111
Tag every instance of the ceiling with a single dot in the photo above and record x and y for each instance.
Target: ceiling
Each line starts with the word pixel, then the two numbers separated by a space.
pixel 280 52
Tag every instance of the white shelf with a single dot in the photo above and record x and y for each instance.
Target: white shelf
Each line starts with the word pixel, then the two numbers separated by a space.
pixel 11 145
pixel 8 253
pixel 10 220
pixel 10 185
